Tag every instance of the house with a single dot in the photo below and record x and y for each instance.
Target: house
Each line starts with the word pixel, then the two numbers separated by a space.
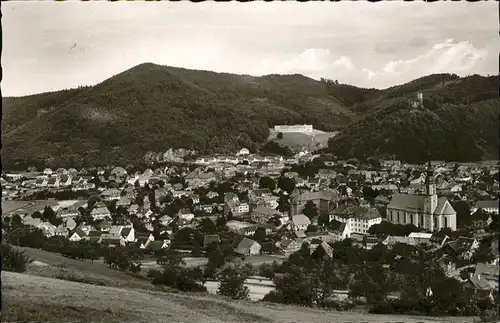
pixel 47 171
pixel 124 201
pixel 93 236
pixel 490 206
pixel 240 227
pixel 61 231
pixel 357 218
pixel 484 280
pixel 128 234
pixel 111 240
pixel 391 241
pixel 69 223
pixel 30 221
pixel 264 214
pixel 480 219
pixel 300 222
pixel 324 200
pixel 133 209
pixel 289 245
pixel 243 152
pixel 438 239
pixel 48 229
pixel 119 172
pixel 420 237
pixel 67 212
pixel 53 182
pixel 461 248
pixel 64 180
pixel 210 238
pixel 185 215
pixel 165 220
pixel 321 249
pixel 236 208
pixel 77 235
pixel 425 211
pixel 99 212
pixel 143 239
pixel 248 247
pixel 111 194
pixel 212 194
pixel 158 245
pixel 41 182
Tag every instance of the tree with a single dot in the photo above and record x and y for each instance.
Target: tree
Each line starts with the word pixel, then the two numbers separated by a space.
pixel 232 283
pixel 215 255
pixel 221 221
pixel 286 184
pixel 324 219
pixel 207 226
pixel 369 194
pixel 267 182
pixel 13 259
pixel 279 135
pixel 310 210
pixel 283 203
pixel 260 234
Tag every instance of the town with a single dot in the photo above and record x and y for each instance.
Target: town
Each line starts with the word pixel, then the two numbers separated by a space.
pixel 309 230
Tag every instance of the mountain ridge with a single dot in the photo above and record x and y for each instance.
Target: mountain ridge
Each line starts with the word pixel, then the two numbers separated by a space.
pixel 151 107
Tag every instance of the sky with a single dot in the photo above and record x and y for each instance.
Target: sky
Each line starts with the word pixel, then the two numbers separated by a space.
pixel 50 46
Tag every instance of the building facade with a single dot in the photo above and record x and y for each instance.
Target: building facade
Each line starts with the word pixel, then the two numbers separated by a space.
pixel 306 128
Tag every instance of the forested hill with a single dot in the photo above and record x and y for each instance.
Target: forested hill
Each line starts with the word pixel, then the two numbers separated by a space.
pixel 154 108
pixel 458 122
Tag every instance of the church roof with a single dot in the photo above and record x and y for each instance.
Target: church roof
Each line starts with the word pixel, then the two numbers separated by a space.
pixel 444 207
pixel 415 203
pixel 407 202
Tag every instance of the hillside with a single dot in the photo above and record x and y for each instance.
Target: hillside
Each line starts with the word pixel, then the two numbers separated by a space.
pixel 33 298
pixel 459 122
pixel 154 108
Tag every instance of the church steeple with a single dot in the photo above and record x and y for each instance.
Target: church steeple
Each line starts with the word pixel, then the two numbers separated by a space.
pixel 429 180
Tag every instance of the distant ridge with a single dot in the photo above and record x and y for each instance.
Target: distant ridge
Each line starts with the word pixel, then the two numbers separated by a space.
pixel 153 108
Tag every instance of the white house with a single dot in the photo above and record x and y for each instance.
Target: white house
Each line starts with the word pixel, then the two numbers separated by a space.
pixel 490 206
pixel 248 247
pixel 358 219
pixel 243 152
pixel 77 235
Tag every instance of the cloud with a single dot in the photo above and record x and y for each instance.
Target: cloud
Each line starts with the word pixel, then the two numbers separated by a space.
pixel 313 62
pixel 449 56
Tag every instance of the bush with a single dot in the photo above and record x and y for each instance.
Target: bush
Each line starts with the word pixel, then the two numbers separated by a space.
pixel 81 279
pixel 14 259
pixel 232 283
pixel 273 297
pixel 187 280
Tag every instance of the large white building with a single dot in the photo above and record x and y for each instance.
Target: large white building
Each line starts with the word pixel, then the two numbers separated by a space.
pixel 358 219
pixel 425 211
pixel 306 128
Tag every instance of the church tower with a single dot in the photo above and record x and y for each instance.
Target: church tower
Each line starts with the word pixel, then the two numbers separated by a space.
pixel 431 199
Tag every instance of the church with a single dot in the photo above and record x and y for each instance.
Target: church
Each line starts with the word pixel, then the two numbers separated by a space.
pixel 425 211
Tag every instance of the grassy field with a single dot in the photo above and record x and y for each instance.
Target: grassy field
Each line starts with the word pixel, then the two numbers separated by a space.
pixel 296 141
pixel 27 297
pixel 96 271
pixel 116 296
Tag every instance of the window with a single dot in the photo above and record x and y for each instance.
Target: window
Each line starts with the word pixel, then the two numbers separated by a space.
pixel 445 222
pixel 421 222
pixel 398 217
pixel 411 218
